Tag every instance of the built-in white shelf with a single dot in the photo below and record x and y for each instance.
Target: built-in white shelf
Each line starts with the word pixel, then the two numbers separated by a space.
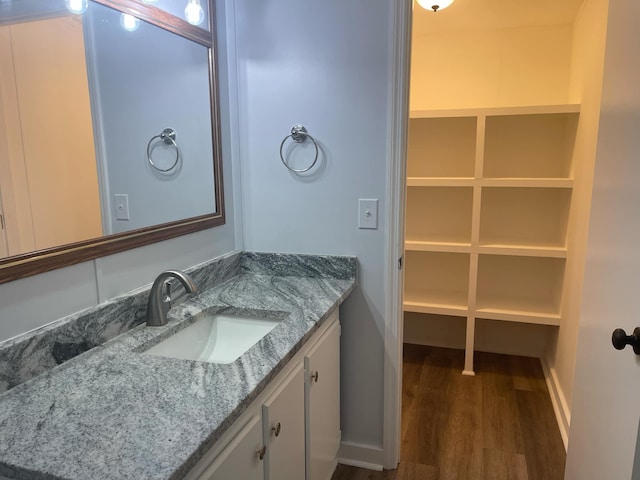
pixel 529 216
pixel 424 246
pixel 442 147
pixel 527 182
pixel 439 214
pixel 519 316
pixel 493 111
pixel 436 308
pixel 441 181
pixel 523 250
pixel 489 194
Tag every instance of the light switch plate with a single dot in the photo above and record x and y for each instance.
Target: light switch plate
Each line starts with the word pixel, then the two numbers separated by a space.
pixel 122 206
pixel 368 213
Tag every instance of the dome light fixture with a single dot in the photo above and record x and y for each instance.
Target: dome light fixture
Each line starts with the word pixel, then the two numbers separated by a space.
pixel 435 5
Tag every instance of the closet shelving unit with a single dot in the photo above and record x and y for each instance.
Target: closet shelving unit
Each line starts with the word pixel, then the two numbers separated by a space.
pixel 488 198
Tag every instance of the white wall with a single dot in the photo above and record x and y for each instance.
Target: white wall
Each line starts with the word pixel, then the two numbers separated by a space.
pixel 491 68
pixel 325 65
pixel 35 301
pixel 589 34
pixel 143 82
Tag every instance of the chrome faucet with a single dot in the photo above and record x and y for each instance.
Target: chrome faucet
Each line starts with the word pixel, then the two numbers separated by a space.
pixel 160 301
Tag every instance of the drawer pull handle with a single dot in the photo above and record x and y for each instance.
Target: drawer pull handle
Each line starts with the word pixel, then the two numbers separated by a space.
pixel 314 376
pixel 262 452
pixel 276 429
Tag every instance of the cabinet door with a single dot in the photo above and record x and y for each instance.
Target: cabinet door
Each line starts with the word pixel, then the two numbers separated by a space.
pixel 283 427
pixel 322 395
pixel 241 458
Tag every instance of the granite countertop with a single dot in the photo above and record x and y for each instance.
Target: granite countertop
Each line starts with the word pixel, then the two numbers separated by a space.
pixel 116 413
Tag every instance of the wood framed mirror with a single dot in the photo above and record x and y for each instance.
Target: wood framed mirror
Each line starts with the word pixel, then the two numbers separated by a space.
pixel 111 181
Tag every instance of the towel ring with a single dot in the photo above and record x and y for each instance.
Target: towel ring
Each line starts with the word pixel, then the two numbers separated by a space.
pixel 299 135
pixel 168 136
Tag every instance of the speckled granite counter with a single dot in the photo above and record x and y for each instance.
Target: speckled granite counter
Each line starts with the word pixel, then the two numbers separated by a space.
pixel 116 413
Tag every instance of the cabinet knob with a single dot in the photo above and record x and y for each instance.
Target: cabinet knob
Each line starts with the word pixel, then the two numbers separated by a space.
pixel 314 376
pixel 276 429
pixel 262 452
pixel 620 339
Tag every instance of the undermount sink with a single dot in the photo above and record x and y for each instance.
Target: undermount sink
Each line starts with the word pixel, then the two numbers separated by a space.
pixel 215 338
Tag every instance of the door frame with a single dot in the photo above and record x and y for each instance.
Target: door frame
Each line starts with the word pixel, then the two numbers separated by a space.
pixel 398 123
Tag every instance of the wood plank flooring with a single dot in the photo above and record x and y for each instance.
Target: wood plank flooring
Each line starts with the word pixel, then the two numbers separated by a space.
pixel 498 425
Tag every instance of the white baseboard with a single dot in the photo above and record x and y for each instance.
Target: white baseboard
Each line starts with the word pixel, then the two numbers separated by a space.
pixel 560 407
pixel 361 456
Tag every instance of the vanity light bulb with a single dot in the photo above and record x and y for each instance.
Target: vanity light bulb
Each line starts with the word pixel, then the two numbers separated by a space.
pixel 129 22
pixel 77 6
pixel 194 12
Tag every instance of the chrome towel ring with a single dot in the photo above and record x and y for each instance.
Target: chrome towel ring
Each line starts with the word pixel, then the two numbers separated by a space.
pixel 299 135
pixel 168 136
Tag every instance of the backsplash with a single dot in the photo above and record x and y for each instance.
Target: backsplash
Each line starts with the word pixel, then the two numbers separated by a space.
pixel 286 264
pixel 35 352
pixel 28 355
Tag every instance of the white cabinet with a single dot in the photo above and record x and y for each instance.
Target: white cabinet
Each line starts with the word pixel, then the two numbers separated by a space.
pixel 243 458
pixel 292 430
pixel 322 364
pixel 283 429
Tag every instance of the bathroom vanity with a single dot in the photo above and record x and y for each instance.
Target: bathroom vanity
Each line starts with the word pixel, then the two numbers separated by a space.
pixel 293 426
pixel 118 411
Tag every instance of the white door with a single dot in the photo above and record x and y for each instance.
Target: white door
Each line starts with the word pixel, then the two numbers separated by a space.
pixel 603 437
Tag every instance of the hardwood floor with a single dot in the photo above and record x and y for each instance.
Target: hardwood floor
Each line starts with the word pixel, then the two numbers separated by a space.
pixel 498 425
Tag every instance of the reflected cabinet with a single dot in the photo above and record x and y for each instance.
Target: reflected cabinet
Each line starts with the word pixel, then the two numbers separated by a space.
pixel 489 195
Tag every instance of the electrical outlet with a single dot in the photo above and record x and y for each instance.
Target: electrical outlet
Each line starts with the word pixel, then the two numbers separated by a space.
pixel 122 206
pixel 368 213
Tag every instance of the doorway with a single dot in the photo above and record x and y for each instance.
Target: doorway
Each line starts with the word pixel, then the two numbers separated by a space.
pixel 471 86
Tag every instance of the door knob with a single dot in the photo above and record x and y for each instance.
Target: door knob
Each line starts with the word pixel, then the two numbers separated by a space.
pixel 620 339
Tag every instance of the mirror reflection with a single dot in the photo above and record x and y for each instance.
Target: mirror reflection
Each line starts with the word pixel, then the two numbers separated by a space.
pixel 84 101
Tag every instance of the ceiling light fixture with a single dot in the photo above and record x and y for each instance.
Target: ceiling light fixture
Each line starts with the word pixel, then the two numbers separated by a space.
pixel 435 5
